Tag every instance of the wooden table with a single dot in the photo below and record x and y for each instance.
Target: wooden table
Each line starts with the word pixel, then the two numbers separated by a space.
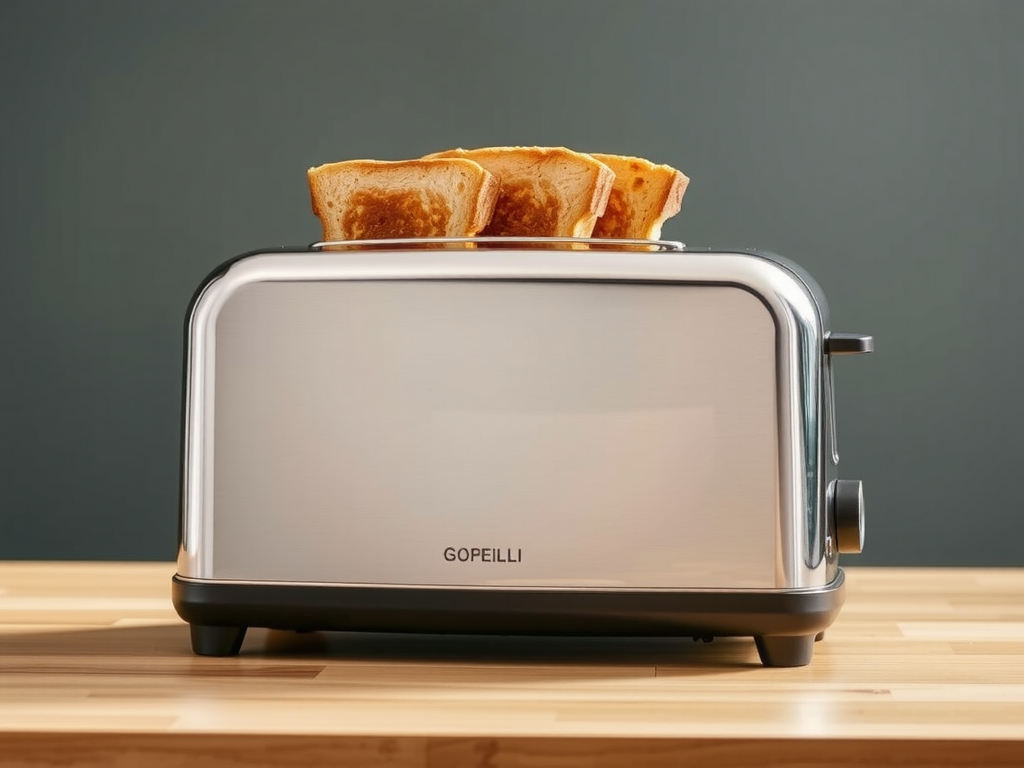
pixel 923 667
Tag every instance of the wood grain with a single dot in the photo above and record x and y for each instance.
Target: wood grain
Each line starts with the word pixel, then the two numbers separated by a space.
pixel 923 667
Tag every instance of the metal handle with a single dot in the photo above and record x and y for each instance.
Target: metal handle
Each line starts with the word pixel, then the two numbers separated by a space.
pixel 412 242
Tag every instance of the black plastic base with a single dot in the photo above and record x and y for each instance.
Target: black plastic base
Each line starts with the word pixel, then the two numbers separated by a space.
pixel 784 624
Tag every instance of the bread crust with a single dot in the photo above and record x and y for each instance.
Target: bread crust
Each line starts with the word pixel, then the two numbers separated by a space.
pixel 643 197
pixel 375 199
pixel 496 191
pixel 544 191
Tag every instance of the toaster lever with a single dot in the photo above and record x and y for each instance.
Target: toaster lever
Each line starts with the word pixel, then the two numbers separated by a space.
pixel 849 344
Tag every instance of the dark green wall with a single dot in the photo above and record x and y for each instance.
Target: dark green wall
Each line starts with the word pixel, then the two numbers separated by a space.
pixel 877 143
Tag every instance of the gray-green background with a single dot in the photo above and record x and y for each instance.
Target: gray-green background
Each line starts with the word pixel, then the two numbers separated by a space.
pixel 877 143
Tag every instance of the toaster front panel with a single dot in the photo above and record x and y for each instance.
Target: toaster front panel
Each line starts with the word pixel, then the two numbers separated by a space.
pixel 459 432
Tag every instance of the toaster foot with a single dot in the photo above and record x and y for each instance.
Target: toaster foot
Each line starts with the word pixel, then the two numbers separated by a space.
pixel 216 641
pixel 784 650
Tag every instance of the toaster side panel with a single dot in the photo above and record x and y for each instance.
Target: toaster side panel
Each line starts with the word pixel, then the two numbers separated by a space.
pixel 494 433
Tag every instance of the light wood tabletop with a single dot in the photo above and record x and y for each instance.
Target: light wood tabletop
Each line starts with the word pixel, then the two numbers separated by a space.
pixel 923 667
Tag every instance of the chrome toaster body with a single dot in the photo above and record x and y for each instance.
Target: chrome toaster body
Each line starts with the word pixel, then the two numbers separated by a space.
pixel 513 437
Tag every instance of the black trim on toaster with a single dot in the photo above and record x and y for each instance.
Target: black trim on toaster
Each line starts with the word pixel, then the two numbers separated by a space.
pixel 784 624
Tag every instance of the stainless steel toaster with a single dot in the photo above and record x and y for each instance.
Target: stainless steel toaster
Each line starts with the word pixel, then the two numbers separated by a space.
pixel 529 436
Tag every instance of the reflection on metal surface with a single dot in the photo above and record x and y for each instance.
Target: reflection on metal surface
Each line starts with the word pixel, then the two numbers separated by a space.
pixel 796 522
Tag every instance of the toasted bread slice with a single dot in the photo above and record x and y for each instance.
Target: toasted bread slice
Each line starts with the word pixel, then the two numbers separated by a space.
pixel 374 199
pixel 545 191
pixel 643 197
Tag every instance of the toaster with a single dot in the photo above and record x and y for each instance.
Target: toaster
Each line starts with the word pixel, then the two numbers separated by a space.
pixel 553 436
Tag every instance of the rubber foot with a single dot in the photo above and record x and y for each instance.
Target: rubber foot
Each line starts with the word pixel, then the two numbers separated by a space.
pixel 785 651
pixel 216 641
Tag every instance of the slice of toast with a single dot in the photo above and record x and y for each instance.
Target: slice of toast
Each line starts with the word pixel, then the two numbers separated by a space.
pixel 643 197
pixel 545 191
pixel 374 199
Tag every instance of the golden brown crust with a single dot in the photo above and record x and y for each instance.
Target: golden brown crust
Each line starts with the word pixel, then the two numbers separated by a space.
pixel 544 191
pixel 520 211
pixel 377 213
pixel 496 191
pixel 643 197
pixel 486 203
pixel 374 199
pixel 616 218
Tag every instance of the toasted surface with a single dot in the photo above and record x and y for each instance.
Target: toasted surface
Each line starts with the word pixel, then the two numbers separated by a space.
pixel 643 197
pixel 374 199
pixel 545 191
